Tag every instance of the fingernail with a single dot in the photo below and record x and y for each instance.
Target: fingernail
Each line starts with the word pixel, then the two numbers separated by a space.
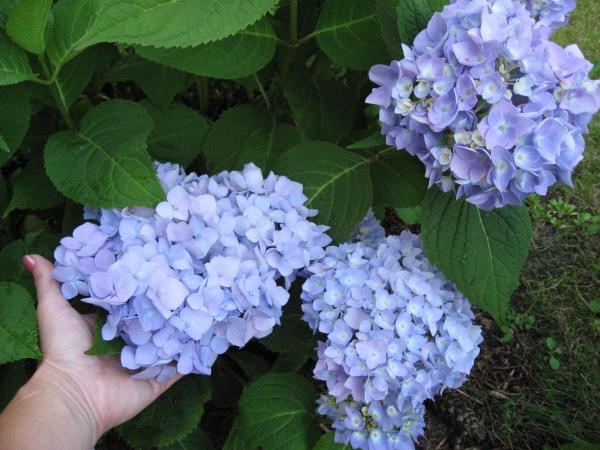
pixel 28 262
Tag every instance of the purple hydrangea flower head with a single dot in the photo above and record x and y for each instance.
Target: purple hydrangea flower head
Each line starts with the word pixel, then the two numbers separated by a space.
pixel 493 108
pixel 397 333
pixel 198 273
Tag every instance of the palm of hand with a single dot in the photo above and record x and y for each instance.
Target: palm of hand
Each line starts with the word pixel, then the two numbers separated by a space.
pixel 107 388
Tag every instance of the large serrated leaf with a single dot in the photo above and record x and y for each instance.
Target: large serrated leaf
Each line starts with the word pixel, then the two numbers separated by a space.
pixel 196 440
pixel 73 79
pixel 174 23
pixel 327 442
pixel 27 23
pixel 336 182
pixel 14 65
pixel 73 20
pixel 178 134
pixel 387 16
pixel 11 264
pixel 6 7
pixel 323 108
pixel 399 180
pixel 276 412
pixel 159 82
pixel 18 324
pixel 237 56
pixel 15 113
pixel 481 252
pixel 105 164
pixel 28 187
pixel 172 417
pixel 413 16
pixel 345 33
pixel 245 134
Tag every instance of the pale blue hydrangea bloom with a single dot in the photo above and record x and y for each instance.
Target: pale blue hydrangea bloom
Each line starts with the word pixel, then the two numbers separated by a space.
pixel 397 334
pixel 198 273
pixel 493 109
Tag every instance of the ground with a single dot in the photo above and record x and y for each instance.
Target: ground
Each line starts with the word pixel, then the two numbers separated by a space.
pixel 542 388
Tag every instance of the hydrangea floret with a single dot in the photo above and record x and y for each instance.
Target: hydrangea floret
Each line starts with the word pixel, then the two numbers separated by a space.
pixel 202 271
pixel 397 333
pixel 493 109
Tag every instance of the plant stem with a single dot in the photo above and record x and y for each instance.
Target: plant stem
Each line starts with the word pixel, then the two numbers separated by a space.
pixel 262 91
pixel 293 21
pixel 57 93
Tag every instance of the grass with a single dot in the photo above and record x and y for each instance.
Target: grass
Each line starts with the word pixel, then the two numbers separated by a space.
pixel 559 297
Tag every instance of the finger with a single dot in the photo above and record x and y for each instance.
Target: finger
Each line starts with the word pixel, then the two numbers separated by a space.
pixel 49 295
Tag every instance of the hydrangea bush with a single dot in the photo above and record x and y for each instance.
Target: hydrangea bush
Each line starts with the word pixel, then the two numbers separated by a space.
pixel 186 280
pixel 493 109
pixel 200 173
pixel 397 333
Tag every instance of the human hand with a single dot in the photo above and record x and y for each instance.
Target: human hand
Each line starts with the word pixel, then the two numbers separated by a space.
pixel 94 391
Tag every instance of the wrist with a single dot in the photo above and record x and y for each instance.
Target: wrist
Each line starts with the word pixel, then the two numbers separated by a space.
pixel 54 392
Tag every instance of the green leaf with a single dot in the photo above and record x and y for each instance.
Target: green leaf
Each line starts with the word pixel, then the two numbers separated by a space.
pixel 12 377
pixel 387 16
pixel 327 442
pixel 235 441
pixel 174 23
pixel 14 65
pixel 323 108
pixel 410 216
pixel 105 164
pixel 554 363
pixel 172 417
pixel 100 347
pixel 290 362
pixel 413 16
pixel 72 22
pixel 3 145
pixel 15 113
pixel 399 180
pixel 32 189
pixel 245 134
pixel 345 33
pixel 277 411
pixel 253 365
pixel 481 252
pixel 6 7
pixel 27 23
pixel 159 82
pixel 336 182
pixel 294 334
pixel 11 264
pixel 73 79
pixel 3 194
pixel 437 5
pixel 237 56
pixel 18 324
pixel 196 440
pixel 376 140
pixel 178 134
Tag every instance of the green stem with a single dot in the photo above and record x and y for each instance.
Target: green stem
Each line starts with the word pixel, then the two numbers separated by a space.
pixel 202 86
pixel 293 21
pixel 57 93
pixel 262 91
pixel 305 39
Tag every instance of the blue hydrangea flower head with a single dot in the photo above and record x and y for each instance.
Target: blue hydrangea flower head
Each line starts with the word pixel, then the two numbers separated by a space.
pixel 397 333
pixel 493 108
pixel 198 273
